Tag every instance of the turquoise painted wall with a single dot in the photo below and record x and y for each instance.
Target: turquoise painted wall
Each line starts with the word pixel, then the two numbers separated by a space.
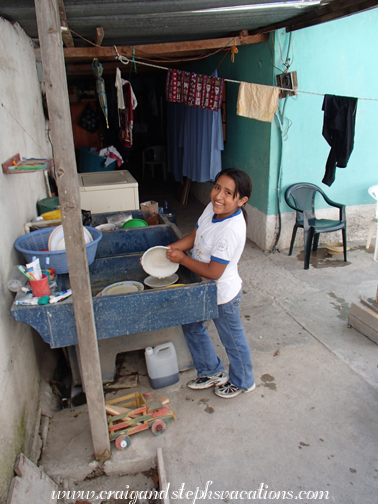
pixel 248 141
pixel 339 58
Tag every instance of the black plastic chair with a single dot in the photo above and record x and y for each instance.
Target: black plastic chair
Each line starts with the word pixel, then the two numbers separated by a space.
pixel 301 197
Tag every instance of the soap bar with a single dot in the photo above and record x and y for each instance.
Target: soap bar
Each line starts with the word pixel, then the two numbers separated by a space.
pixel 44 300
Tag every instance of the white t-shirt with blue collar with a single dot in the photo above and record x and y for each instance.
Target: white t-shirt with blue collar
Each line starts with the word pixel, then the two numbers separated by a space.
pixel 222 241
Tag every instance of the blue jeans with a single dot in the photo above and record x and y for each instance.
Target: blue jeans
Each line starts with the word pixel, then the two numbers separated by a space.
pixel 232 335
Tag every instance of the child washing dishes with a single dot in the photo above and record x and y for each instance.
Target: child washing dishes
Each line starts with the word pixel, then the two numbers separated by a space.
pixel 218 241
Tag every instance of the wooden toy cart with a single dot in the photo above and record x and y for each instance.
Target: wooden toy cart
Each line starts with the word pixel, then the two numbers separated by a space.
pixel 134 413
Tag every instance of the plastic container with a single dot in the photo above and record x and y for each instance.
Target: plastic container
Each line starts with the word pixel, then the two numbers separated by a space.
pixel 53 215
pixel 48 205
pixel 150 210
pixel 134 223
pixel 40 287
pixel 92 162
pixel 162 365
pixel 35 244
pixel 169 213
pixel 16 280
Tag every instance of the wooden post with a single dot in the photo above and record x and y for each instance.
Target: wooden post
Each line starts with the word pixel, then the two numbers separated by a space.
pixel 47 14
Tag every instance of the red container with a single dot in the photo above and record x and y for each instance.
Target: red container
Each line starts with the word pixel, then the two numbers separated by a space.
pixel 40 287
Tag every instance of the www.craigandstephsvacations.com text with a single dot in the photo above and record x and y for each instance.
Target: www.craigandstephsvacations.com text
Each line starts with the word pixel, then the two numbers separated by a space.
pixel 263 493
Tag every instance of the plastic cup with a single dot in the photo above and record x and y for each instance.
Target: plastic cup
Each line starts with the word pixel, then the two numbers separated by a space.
pixel 40 287
pixel 150 210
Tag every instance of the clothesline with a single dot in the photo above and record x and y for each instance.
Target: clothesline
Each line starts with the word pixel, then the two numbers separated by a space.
pixel 126 61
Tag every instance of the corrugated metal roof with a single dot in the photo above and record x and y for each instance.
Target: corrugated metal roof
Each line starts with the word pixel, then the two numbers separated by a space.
pixel 128 22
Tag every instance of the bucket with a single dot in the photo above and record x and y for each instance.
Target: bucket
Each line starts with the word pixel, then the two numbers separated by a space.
pixel 47 205
pixel 162 365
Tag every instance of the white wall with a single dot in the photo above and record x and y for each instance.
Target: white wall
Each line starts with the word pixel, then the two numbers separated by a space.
pixel 22 130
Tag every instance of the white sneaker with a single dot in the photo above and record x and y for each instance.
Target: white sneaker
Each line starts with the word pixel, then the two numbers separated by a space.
pixel 227 391
pixel 208 381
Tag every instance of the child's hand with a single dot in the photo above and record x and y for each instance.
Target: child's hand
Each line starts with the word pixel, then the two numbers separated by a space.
pixel 175 255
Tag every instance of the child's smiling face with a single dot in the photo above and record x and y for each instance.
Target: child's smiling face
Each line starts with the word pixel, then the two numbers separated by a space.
pixel 223 198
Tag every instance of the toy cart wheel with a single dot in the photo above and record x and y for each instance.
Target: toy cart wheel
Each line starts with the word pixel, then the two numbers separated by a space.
pixel 158 427
pixel 122 442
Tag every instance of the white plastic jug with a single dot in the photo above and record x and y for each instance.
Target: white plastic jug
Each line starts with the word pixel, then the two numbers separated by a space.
pixel 162 365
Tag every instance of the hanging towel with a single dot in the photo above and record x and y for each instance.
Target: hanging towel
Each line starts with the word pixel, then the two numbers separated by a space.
pixel 119 87
pixel 257 101
pixel 338 130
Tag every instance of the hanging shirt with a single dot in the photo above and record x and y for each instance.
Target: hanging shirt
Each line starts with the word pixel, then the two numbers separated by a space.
pixel 196 136
pixel 201 138
pixel 338 130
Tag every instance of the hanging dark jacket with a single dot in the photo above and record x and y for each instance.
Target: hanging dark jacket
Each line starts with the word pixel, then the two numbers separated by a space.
pixel 338 130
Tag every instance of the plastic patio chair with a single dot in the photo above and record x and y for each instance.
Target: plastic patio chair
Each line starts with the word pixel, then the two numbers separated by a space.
pixel 373 191
pixel 301 197
pixel 154 156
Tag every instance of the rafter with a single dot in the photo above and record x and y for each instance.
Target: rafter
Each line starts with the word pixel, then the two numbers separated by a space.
pixel 66 34
pixel 77 54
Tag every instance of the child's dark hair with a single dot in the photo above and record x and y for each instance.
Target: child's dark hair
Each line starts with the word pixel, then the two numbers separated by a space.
pixel 243 184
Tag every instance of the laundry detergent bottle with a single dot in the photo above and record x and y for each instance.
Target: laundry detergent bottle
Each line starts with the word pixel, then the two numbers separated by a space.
pixel 162 365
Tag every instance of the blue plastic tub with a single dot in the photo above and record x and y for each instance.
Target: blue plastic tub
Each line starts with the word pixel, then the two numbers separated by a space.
pixel 35 244
pixel 91 162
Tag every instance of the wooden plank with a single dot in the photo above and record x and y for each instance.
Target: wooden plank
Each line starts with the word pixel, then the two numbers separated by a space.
pixel 364 320
pixel 31 484
pixel 124 425
pixel 334 10
pixel 99 36
pixel 116 410
pixel 72 54
pixel 66 34
pixel 10 162
pixel 163 480
pixel 47 14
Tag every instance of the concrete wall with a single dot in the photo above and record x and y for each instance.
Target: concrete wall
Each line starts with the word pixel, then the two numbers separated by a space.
pixel 248 142
pixel 22 130
pixel 332 58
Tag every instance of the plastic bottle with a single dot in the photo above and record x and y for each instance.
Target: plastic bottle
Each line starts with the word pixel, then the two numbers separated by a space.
pixel 169 213
pixel 162 365
pixel 16 280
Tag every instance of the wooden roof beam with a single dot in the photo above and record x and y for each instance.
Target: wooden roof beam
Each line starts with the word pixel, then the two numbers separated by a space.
pixel 334 10
pixel 73 54
pixel 66 34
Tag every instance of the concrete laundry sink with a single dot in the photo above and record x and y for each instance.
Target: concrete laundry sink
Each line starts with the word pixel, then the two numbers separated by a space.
pixel 147 312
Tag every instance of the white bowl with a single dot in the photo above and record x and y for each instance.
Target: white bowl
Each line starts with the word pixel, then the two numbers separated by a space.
pixel 155 283
pixel 106 227
pixel 155 262
pixel 56 239
pixel 126 287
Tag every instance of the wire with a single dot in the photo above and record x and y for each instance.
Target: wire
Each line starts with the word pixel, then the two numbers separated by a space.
pixel 83 38
pixel 180 60
pixel 125 61
pixel 36 143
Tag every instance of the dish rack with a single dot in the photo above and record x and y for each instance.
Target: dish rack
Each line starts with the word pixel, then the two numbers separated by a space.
pixel 35 244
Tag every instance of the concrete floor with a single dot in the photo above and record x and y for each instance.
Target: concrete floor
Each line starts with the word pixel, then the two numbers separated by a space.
pixel 311 424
